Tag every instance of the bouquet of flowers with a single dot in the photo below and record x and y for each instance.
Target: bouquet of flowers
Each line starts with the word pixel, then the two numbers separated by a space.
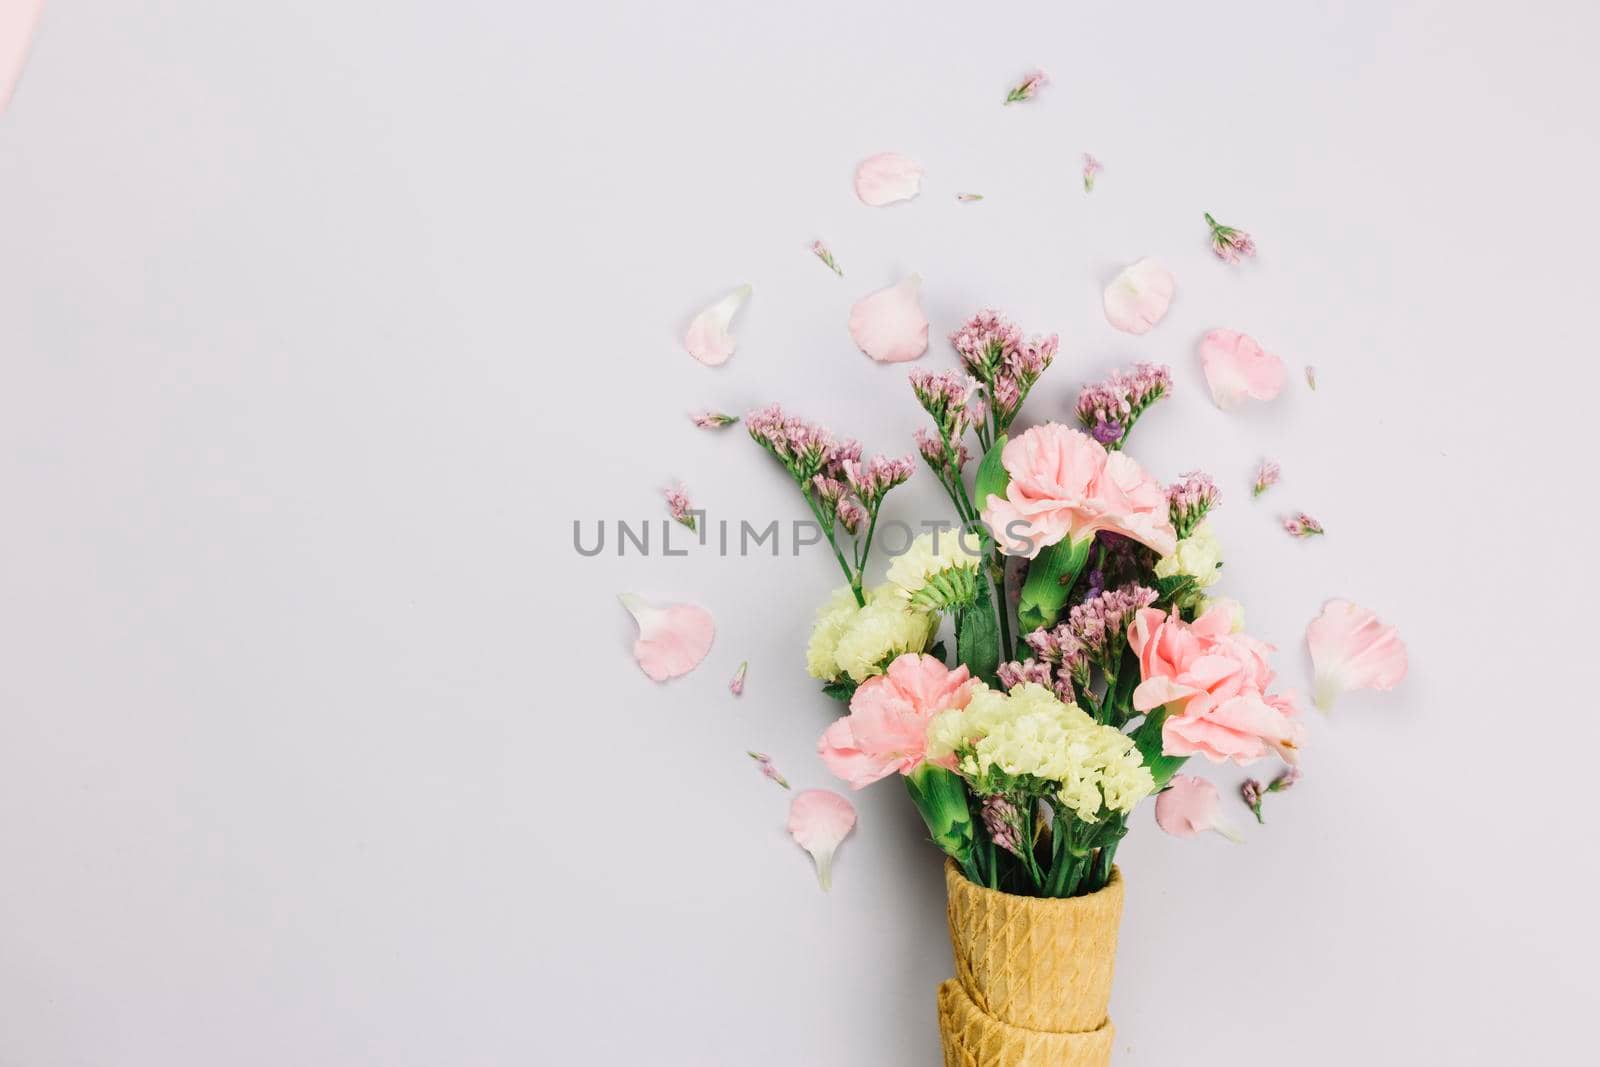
pixel 1090 663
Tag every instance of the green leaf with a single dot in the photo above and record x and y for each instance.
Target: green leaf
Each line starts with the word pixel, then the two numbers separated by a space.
pixel 1049 583
pixel 1148 738
pixel 941 799
pixel 1175 587
pixel 993 478
pixel 978 637
pixel 939 652
pixel 841 689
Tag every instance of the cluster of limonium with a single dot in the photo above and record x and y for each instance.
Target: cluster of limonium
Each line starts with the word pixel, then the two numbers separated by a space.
pixel 994 352
pixel 953 402
pixel 1189 500
pixel 1109 409
pixel 843 491
pixel 1026 751
pixel 1090 644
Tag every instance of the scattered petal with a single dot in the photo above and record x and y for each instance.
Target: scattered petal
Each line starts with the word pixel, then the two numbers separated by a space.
pixel 1189 806
pixel 969 198
pixel 1303 526
pixel 1230 244
pixel 736 687
pixel 767 769
pixel 713 420
pixel 672 639
pixel 1311 377
pixel 1138 298
pixel 1351 649
pixel 818 820
pixel 889 325
pixel 1238 368
pixel 821 251
pixel 1028 87
pixel 887 178
pixel 1266 477
pixel 708 339
pixel 17 21
pixel 678 504
pixel 1091 168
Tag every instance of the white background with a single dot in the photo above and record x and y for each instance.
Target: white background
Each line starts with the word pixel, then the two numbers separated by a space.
pixel 321 322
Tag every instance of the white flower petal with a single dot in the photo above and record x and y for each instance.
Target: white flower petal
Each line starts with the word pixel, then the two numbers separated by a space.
pixel 707 338
pixel 1138 298
pixel 889 325
pixel 887 178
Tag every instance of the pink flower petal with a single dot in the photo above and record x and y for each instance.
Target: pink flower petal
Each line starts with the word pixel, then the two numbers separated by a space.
pixel 818 820
pixel 1190 806
pixel 707 338
pixel 17 20
pixel 1138 298
pixel 887 178
pixel 1351 649
pixel 672 639
pixel 1237 368
pixel 889 325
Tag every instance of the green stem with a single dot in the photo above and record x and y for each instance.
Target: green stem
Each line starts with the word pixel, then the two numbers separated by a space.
pixel 827 527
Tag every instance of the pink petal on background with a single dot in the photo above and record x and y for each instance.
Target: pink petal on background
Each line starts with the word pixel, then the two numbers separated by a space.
pixel 888 178
pixel 1352 649
pixel 818 820
pixel 1237 368
pixel 708 339
pixel 17 20
pixel 1138 298
pixel 1191 806
pixel 889 324
pixel 672 639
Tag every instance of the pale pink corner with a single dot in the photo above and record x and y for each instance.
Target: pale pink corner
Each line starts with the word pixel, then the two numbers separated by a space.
pixel 673 638
pixel 17 21
pixel 1238 369
pixel 889 325
pixel 1138 298
pixel 1352 649
pixel 818 820
pixel 888 178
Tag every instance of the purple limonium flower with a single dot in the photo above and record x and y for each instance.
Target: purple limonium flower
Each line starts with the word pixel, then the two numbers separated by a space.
pixel 1190 499
pixel 767 769
pixel 1021 672
pixel 1108 409
pixel 736 686
pixel 994 352
pixel 1028 87
pixel 1302 525
pixel 1266 477
pixel 822 252
pixel 969 198
pixel 1311 377
pixel 1100 624
pixel 678 504
pixel 713 420
pixel 1003 822
pixel 1091 168
pixel 1252 791
pixel 1230 244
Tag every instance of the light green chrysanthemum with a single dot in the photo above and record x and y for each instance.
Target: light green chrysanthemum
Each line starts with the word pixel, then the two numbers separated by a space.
pixel 938 571
pixel 1199 555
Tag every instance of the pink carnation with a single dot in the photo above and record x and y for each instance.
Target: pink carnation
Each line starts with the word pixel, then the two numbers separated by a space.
pixel 886 730
pixel 1065 485
pixel 1214 682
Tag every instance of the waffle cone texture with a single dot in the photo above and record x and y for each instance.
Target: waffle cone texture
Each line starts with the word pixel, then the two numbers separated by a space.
pixel 1033 977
